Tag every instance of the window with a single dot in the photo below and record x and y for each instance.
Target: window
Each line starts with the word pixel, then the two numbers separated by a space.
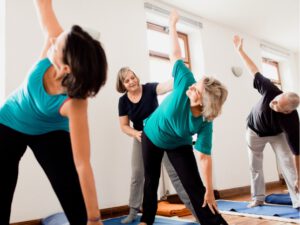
pixel 271 71
pixel 159 43
pixel 159 47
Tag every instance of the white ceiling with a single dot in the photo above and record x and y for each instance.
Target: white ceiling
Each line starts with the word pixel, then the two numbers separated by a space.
pixel 274 21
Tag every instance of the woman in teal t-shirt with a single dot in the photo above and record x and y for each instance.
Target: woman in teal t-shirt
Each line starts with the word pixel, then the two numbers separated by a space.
pixel 188 110
pixel 48 113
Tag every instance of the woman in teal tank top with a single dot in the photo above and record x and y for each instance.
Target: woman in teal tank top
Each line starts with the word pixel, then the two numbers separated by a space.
pixel 188 110
pixel 48 113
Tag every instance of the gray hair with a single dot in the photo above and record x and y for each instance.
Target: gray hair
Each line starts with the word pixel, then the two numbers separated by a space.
pixel 214 96
pixel 292 99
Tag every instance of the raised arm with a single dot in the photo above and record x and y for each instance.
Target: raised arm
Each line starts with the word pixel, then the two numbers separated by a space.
pixel 163 88
pixel 48 22
pixel 238 44
pixel 175 51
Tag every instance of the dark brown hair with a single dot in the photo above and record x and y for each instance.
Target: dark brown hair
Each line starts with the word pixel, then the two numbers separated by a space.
pixel 88 64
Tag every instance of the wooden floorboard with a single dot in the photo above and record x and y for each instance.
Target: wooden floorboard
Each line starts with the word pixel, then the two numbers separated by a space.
pixel 231 219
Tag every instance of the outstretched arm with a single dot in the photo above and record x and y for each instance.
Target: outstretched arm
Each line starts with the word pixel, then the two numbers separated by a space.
pixel 165 87
pixel 76 111
pixel 175 51
pixel 238 44
pixel 48 22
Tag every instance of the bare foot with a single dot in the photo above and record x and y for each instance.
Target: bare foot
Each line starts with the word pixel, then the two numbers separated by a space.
pixel 255 203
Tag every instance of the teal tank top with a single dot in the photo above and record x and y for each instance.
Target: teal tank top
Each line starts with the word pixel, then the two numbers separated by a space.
pixel 30 109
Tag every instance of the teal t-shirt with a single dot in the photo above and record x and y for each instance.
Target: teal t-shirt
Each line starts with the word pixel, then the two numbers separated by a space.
pixel 172 124
pixel 30 109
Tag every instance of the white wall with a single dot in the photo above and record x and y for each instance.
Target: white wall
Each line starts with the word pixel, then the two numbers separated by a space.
pixel 289 73
pixel 212 53
pixel 122 26
pixel 229 148
pixel 2 49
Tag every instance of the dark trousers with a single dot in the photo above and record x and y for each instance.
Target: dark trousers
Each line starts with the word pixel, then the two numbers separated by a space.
pixel 54 153
pixel 184 162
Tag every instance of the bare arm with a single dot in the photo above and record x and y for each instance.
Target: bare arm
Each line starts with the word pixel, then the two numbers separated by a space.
pixel 175 51
pixel 297 163
pixel 76 111
pixel 124 124
pixel 206 168
pixel 165 87
pixel 48 21
pixel 238 44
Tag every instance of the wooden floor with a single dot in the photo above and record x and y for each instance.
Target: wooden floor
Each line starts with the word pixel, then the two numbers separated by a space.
pixel 232 220
pixel 242 220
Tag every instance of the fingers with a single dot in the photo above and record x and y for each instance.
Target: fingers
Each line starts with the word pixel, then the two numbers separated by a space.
pixel 139 137
pixel 237 40
pixel 209 205
pixel 212 206
pixel 216 207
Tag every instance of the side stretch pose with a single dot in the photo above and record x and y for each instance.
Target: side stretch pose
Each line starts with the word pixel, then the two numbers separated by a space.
pixel 188 110
pixel 48 113
pixel 274 120
pixel 138 102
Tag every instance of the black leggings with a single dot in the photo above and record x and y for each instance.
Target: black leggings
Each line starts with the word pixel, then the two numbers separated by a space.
pixel 54 153
pixel 184 163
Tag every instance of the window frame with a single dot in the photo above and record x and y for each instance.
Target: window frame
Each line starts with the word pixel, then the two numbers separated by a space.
pixel 276 64
pixel 160 55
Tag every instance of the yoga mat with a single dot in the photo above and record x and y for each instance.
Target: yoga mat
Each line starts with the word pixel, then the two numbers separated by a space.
pixel 60 219
pixel 274 212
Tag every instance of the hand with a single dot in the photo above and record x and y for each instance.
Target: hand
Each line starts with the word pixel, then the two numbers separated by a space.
pixel 238 42
pixel 138 135
pixel 209 199
pixel 297 185
pixel 174 16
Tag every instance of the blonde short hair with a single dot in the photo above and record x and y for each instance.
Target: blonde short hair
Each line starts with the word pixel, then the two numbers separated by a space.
pixel 213 98
pixel 121 77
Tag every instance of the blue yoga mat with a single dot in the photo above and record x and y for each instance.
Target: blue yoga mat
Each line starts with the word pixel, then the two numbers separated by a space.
pixel 265 210
pixel 281 199
pixel 60 219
